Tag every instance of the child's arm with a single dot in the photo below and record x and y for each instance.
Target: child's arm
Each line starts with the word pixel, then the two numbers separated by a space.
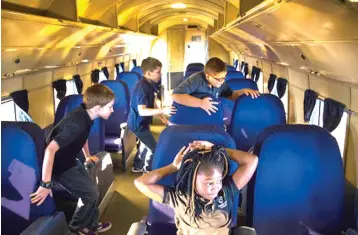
pixel 147 182
pixel 144 111
pixel 40 195
pixel 87 154
pixel 245 91
pixel 247 166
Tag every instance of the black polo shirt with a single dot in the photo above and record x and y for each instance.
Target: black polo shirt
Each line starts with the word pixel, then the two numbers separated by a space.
pixel 197 85
pixel 143 94
pixel 71 133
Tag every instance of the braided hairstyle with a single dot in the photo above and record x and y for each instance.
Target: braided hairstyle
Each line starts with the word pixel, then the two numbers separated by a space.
pixel 199 160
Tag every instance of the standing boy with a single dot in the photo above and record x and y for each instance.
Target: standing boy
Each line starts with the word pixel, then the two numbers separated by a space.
pixel 65 141
pixel 211 81
pixel 142 110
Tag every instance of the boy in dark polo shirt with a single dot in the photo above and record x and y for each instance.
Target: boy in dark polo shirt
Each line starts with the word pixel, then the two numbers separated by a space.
pixel 65 141
pixel 211 81
pixel 142 110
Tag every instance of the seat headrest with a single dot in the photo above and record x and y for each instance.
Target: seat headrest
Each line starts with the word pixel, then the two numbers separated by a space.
pixel 251 116
pixel 138 70
pixel 130 79
pixel 173 138
pixel 299 182
pixel 186 115
pixel 66 105
pixel 121 107
pixel 230 68
pixel 233 75
pixel 238 84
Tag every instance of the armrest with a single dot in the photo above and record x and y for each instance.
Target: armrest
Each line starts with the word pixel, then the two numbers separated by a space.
pixel 243 230
pixel 137 228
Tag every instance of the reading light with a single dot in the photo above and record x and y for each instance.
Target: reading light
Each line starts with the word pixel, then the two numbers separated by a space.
pixel 178 5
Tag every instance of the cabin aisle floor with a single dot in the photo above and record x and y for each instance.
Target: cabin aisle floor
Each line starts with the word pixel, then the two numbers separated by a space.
pixel 127 204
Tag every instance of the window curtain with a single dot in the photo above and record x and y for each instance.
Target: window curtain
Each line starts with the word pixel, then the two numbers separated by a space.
pixel 135 62
pixel 246 69
pixel 257 74
pixel 332 114
pixel 308 104
pixel 79 83
pixel 236 63
pixel 253 72
pixel 105 71
pixel 117 69
pixel 242 66
pixel 271 82
pixel 60 86
pixel 122 66
pixel 95 76
pixel 281 87
pixel 21 99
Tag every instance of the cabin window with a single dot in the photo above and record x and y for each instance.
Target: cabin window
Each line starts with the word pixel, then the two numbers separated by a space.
pixel 102 77
pixel 340 133
pixel 71 89
pixel 196 38
pixel 10 111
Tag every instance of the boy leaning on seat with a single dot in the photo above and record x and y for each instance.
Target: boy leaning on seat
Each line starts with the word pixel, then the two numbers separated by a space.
pixel 65 141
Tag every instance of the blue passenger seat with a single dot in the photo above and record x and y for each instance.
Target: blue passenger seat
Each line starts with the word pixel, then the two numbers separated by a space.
pixel 21 153
pixel 299 183
pixel 251 116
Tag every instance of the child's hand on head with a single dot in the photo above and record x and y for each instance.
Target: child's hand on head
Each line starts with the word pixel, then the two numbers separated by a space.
pixel 179 157
pixel 201 145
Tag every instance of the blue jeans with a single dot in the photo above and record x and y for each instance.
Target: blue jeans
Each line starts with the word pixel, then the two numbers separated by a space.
pixel 77 181
pixel 144 159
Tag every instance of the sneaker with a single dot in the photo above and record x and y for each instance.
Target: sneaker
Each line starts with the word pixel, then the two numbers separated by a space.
pixel 102 227
pixel 81 232
pixel 137 170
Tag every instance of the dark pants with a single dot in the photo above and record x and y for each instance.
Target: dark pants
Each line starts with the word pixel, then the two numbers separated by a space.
pixel 143 158
pixel 77 181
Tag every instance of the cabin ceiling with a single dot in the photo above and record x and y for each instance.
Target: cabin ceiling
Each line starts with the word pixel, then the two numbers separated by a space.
pixel 324 32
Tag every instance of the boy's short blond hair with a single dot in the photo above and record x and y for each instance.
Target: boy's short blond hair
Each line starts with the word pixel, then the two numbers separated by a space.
pixel 215 65
pixel 150 64
pixel 97 94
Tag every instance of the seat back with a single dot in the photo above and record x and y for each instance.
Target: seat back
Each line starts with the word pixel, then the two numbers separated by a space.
pixel 121 107
pixel 230 68
pixel 137 69
pixel 20 176
pixel 251 116
pixel 228 105
pixel 171 140
pixel 130 79
pixel 299 182
pixel 96 136
pixel 193 68
pixel 233 75
pixel 186 115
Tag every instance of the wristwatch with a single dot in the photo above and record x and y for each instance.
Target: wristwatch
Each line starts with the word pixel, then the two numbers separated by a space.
pixel 47 185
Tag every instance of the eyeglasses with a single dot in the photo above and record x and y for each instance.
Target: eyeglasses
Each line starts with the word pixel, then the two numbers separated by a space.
pixel 217 79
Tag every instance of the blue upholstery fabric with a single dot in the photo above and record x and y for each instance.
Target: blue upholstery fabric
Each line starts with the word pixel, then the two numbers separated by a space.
pixel 130 79
pixel 230 68
pixel 251 116
pixel 119 116
pixel 233 75
pixel 20 176
pixel 186 115
pixel 96 136
pixel 171 140
pixel 299 182
pixel 193 68
pixel 138 70
pixel 228 105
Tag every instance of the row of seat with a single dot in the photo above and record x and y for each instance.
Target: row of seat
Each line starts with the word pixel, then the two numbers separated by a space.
pixel 291 191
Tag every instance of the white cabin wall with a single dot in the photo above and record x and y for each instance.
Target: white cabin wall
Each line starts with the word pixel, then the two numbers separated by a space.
pixel 39 85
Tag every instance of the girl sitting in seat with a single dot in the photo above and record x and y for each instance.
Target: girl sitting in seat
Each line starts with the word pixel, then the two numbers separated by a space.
pixel 203 192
